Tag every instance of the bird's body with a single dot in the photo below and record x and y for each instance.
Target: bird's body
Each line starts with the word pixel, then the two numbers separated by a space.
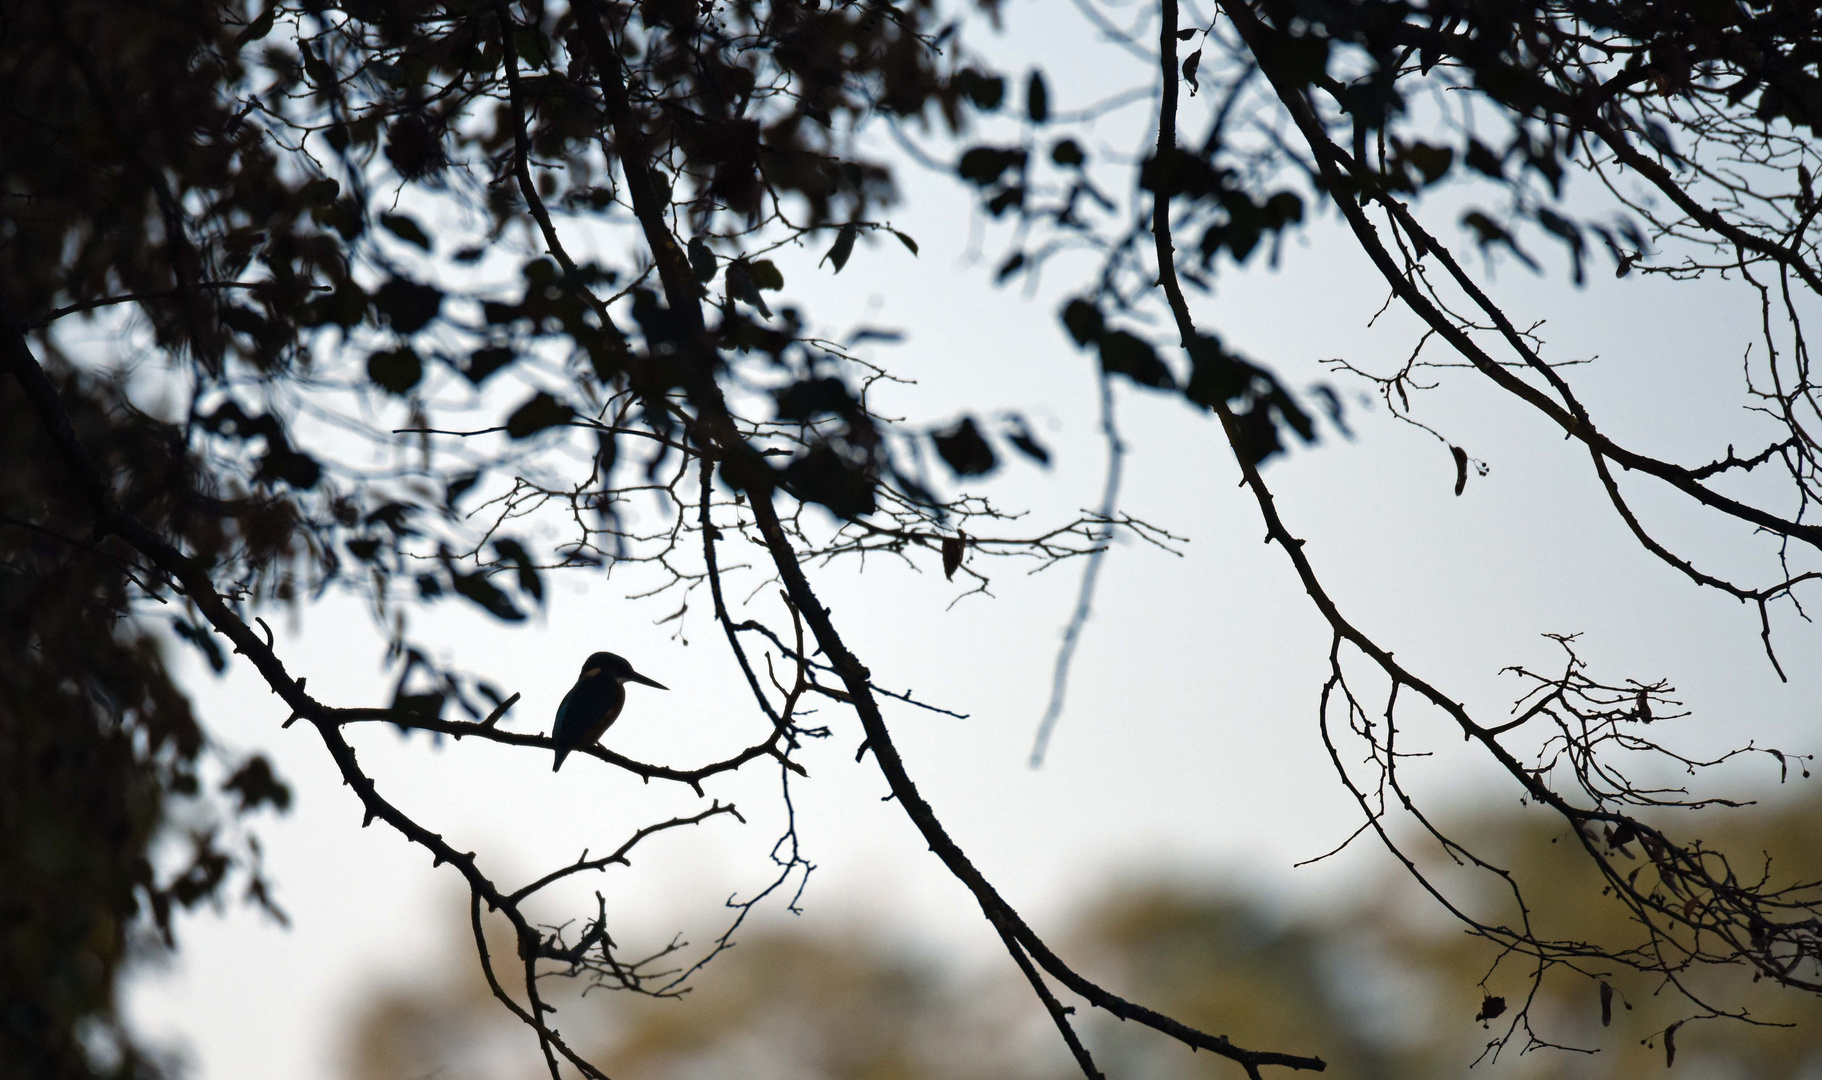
pixel 594 703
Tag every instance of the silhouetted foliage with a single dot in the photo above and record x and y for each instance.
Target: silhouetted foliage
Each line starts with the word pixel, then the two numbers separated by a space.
pixel 325 235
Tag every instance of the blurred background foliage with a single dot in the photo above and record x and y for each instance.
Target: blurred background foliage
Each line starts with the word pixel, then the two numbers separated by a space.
pixel 1382 984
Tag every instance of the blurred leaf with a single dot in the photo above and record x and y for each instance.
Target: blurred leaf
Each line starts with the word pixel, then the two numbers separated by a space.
pixel 257 785
pixel 296 468
pixel 1483 160
pixel 458 487
pixel 1068 153
pixel 539 413
pixel 910 244
pixel 842 248
pixel 320 192
pixel 953 547
pixel 204 640
pixel 1126 354
pixel 395 370
pixel 1037 98
pixel 742 287
pixel 824 475
pixel 530 582
pixel 984 165
pixel 477 588
pixel 407 305
pixel 765 275
pixel 484 362
pixel 806 399
pixel 405 229
pixel 1020 436
pixel 985 91
pixel 259 27
pixel 702 259
pixel 1083 320
pixel 963 448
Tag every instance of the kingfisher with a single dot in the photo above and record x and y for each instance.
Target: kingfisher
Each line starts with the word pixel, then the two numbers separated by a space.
pixel 594 703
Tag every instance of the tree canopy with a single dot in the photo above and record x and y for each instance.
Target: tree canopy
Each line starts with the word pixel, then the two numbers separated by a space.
pixel 437 301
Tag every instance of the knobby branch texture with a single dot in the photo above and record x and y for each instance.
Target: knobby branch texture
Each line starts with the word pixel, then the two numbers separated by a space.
pixel 304 387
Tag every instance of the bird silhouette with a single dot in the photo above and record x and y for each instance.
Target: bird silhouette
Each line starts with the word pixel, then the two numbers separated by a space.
pixel 594 703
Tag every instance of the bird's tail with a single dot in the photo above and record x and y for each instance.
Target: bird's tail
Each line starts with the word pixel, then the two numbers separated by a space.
pixel 561 754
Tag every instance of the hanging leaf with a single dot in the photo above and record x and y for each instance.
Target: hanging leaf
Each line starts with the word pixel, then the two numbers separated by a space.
pixel 842 248
pixel 1189 72
pixel 1461 468
pixel 1037 98
pixel 1606 1004
pixel 910 244
pixel 1491 1007
pixel 953 546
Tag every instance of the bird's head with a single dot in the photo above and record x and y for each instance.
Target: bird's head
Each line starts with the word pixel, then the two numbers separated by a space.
pixel 606 665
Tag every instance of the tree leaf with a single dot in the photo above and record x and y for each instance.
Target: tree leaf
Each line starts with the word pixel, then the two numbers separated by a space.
pixel 259 27
pixel 824 475
pixel 1020 436
pixel 1461 468
pixel 766 275
pixel 702 259
pixel 984 165
pixel 484 362
pixel 1126 354
pixel 407 305
pixel 953 547
pixel 842 248
pixel 1037 98
pixel 484 593
pixel 964 449
pixel 406 229
pixel 1083 321
pixel 396 371
pixel 910 244
pixel 258 785
pixel 537 414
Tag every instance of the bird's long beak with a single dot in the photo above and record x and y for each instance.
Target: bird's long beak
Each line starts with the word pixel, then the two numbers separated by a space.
pixel 634 676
